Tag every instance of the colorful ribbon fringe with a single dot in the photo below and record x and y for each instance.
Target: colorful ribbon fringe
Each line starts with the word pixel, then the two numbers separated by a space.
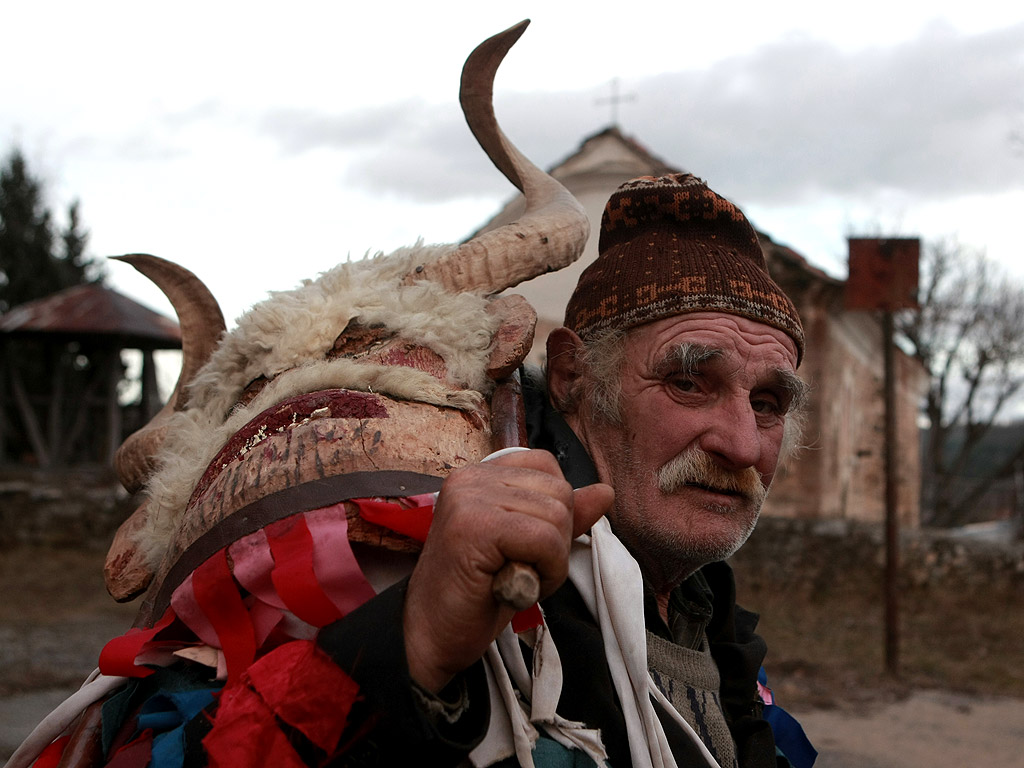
pixel 252 610
pixel 279 584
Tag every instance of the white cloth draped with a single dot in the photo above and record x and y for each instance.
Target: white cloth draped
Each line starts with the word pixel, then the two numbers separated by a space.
pixel 609 580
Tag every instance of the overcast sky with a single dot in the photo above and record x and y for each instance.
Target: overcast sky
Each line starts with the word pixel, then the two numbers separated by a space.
pixel 259 144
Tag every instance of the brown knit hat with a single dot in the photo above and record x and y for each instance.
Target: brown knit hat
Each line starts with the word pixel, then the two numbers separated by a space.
pixel 670 245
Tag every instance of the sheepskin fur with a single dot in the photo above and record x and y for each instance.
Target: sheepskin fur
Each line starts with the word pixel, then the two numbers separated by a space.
pixel 298 326
pixel 286 339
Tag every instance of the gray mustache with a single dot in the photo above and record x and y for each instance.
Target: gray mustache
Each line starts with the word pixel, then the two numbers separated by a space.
pixel 695 467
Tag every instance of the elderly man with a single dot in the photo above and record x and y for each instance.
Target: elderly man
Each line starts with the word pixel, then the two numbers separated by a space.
pixel 670 397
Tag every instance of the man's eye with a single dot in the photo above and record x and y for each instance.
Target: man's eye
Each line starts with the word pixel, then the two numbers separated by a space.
pixel 767 406
pixel 684 384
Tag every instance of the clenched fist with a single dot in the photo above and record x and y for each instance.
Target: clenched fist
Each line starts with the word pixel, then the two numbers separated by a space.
pixel 516 508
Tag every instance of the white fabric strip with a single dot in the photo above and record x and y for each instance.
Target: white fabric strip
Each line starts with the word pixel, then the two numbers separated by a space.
pixel 609 580
pixel 57 722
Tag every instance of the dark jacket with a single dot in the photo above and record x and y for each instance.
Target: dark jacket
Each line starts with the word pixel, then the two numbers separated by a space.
pixel 587 693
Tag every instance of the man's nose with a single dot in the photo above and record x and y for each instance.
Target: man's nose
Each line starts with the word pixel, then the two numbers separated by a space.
pixel 732 435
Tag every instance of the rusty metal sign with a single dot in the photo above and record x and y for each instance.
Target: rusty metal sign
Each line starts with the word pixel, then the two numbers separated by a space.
pixel 883 273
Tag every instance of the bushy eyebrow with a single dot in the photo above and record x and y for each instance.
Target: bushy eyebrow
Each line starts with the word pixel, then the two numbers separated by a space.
pixel 688 357
pixel 796 389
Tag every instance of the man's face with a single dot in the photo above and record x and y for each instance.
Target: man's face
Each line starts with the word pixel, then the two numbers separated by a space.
pixel 702 412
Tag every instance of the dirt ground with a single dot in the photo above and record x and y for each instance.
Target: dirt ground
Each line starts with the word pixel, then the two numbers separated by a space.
pixel 927 728
pixel 56 616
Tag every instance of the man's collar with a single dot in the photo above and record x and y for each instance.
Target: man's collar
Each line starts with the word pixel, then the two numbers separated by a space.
pixel 690 609
pixel 547 429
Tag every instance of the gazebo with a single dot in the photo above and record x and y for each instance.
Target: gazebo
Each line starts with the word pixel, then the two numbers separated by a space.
pixel 61 370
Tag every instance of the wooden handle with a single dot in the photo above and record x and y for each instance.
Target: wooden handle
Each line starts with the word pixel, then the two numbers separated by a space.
pixel 85 748
pixel 516 584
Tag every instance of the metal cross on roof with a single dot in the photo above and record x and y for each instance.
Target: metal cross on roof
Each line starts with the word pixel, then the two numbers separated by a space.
pixel 615 99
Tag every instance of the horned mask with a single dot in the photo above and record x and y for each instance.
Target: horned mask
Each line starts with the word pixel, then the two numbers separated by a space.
pixel 374 380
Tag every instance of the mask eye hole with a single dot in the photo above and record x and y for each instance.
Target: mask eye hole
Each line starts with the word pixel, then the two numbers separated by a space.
pixel 252 389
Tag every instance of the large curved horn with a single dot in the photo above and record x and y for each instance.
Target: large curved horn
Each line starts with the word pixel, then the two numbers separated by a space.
pixel 202 325
pixel 553 229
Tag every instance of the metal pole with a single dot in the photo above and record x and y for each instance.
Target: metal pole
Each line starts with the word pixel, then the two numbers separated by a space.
pixel 892 533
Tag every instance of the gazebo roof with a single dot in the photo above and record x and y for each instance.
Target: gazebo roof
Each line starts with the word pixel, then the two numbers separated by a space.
pixel 96 312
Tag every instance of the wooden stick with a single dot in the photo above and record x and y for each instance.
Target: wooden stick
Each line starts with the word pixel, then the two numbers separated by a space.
pixel 516 584
pixel 85 749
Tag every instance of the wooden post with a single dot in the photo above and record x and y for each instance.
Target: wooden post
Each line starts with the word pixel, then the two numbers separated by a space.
pixel 516 584
pixel 112 360
pixel 85 416
pixel 28 417
pixel 892 521
pixel 883 277
pixel 56 437
pixel 4 424
pixel 150 393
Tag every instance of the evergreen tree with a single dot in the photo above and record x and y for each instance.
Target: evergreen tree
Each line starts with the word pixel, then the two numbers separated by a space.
pixel 38 258
pixel 76 266
pixel 35 259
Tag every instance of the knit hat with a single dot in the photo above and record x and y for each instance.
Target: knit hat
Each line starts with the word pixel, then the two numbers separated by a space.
pixel 670 245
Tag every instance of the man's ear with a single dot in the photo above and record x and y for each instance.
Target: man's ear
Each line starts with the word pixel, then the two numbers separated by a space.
pixel 563 371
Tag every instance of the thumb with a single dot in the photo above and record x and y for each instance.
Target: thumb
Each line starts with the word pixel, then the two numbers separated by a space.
pixel 589 504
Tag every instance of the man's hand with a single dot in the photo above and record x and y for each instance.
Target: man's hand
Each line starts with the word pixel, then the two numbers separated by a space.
pixel 515 508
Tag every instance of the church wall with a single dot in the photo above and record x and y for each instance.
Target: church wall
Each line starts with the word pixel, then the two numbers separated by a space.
pixel 840 474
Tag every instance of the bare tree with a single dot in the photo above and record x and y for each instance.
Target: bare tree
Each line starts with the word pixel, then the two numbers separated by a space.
pixel 969 334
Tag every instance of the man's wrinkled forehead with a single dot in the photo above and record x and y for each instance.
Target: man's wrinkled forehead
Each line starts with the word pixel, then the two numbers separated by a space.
pixel 725 334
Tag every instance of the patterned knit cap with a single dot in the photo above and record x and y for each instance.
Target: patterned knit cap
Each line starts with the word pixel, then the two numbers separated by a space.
pixel 670 245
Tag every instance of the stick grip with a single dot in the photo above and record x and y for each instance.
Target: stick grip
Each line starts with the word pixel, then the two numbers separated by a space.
pixel 516 584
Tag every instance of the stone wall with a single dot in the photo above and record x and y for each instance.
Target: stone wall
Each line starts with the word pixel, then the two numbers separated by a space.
pixel 76 508
pixel 819 557
pixel 815 557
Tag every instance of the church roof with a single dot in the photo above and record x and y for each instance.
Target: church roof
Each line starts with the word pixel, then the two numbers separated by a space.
pixel 593 156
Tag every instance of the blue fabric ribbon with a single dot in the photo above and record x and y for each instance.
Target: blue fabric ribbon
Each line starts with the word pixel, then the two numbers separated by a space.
pixel 167 713
pixel 789 734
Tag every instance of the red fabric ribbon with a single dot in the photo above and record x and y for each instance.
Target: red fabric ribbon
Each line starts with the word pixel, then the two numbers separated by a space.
pixel 336 567
pixel 246 733
pixel 293 575
pixel 301 666
pixel 118 656
pixel 135 754
pixel 413 522
pixel 296 684
pixel 217 596
pixel 50 757
pixel 527 619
